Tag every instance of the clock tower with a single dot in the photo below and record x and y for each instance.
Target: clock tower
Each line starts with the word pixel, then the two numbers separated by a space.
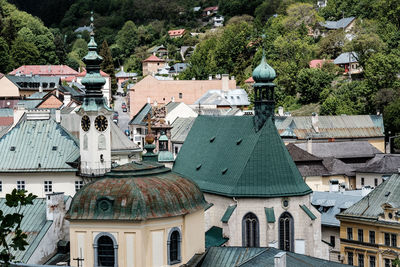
pixel 94 132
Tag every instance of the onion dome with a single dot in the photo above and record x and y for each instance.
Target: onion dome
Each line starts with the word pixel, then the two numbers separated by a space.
pixel 264 73
pixel 137 191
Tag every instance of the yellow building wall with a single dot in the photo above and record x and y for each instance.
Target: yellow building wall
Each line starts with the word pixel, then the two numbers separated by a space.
pixel 378 143
pixel 379 249
pixel 135 247
pixel 321 183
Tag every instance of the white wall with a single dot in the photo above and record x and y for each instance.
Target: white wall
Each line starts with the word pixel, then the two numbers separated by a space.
pixel 181 111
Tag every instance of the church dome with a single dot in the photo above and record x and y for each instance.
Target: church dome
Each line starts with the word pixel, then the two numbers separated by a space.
pixel 263 73
pixel 137 191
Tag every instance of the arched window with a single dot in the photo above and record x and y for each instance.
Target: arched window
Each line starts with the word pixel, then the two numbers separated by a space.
pixel 250 230
pixel 286 232
pixel 105 250
pixel 174 246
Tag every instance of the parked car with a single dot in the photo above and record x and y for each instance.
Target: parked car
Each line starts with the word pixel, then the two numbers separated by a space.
pixel 127 132
pixel 123 105
pixel 124 110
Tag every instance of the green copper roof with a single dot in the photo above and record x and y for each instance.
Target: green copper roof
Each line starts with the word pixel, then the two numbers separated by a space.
pixel 38 146
pixel 165 156
pixel 308 212
pixel 214 237
pixel 94 104
pixel 137 191
pixel 227 156
pixel 263 73
pixel 163 138
pixel 270 214
pixel 228 213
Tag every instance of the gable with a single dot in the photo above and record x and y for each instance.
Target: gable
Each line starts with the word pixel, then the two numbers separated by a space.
pixel 51 102
pixel 8 88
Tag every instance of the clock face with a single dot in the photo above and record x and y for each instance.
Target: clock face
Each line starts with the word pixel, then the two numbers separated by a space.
pixel 101 123
pixel 85 123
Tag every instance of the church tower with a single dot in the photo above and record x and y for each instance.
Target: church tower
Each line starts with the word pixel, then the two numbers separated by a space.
pixel 94 133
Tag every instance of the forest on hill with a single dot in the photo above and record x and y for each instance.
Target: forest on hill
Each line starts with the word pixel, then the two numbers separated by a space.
pixel 127 29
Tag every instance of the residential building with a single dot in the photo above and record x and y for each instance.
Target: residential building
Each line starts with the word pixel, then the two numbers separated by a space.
pixel 62 71
pixel 151 65
pixel 186 52
pixel 176 33
pixel 180 129
pixel 177 68
pixel 345 24
pixel 9 92
pixel 318 63
pixel 27 85
pixel 159 51
pixel 370 229
pixel 123 76
pixel 332 128
pixel 329 204
pixel 105 90
pixel 158 92
pixel 377 169
pixel 218 21
pixel 241 164
pixel 224 99
pixel 208 11
pixel 349 62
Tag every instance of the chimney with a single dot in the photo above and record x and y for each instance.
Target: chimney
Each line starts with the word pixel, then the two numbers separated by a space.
pixel 309 145
pixel 232 78
pixel 58 115
pixel 314 122
pixel 193 79
pixel 67 99
pixel 54 205
pixel 280 111
pixel 210 77
pixel 366 190
pixel 342 187
pixel 122 68
pixel 40 88
pixel 225 82
pixel 148 100
pixel 57 93
pixel 280 259
pixel 173 99
pixel 333 186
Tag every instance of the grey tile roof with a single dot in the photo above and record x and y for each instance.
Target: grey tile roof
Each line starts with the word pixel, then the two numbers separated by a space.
pixel 178 67
pixel 29 147
pixel 339 24
pixel 330 203
pixel 348 149
pixel 237 97
pixel 370 206
pixel 382 163
pixel 181 128
pixel 84 28
pixel 139 118
pixel 172 105
pixel 33 82
pixel 345 58
pixel 37 95
pixel 122 73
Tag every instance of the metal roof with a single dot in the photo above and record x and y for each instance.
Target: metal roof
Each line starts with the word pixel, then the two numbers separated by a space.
pixel 33 82
pixel 236 97
pixel 180 129
pixel 37 146
pixel 226 156
pixel 138 119
pixel 270 214
pixel 339 24
pixel 345 58
pixel 308 212
pixel 228 213
pixel 214 237
pixel 37 95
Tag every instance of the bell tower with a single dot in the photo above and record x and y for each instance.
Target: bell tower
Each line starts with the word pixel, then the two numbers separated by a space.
pixel 94 132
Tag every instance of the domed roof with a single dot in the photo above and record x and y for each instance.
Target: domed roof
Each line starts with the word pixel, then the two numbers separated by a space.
pixel 165 156
pixel 264 72
pixel 137 191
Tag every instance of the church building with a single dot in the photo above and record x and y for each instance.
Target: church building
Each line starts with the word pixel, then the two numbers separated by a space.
pixel 257 195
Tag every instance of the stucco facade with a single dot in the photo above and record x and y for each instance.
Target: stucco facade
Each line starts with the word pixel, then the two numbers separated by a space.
pixel 139 243
pixel 369 179
pixel 307 232
pixel 151 90
pixel 322 183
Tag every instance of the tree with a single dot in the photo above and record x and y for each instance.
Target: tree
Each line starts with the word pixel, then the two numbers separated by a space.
pixel 310 83
pixel 80 47
pixel 107 65
pixel 24 53
pixel 60 48
pixel 10 224
pixel 4 56
pixel 126 38
pixel 391 117
pixel 381 71
pixel 331 45
pixel 301 14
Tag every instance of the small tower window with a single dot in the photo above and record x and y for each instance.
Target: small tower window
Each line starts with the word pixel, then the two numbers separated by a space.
pixel 174 246
pixel 105 250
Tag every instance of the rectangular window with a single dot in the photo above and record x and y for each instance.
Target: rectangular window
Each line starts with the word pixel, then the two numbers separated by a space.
pixel 349 233
pixel 372 237
pixel 361 260
pixel 332 241
pixel 48 186
pixel 1 186
pixel 78 185
pixel 387 263
pixel 180 95
pixel 362 181
pixel 372 261
pixel 387 239
pixel 350 258
pixel 360 235
pixel 394 240
pixel 176 150
pixel 376 181
pixel 21 185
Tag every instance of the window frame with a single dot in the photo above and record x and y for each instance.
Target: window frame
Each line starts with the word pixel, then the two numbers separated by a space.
pixel 372 261
pixel 393 237
pixel 21 185
pixel 360 259
pixel 80 184
pixel 350 255
pixel 386 239
pixel 48 186
pixel 360 235
pixel 349 233
pixel 179 247
pixel 290 234
pixel 372 234
pixel 96 246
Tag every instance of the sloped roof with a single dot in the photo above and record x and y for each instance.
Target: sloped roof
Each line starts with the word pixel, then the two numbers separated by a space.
pixel 211 8
pixel 214 237
pixel 37 95
pixel 226 156
pixel 334 201
pixel 339 24
pixel 172 105
pixel 181 128
pixel 84 28
pixel 299 154
pixel 345 58
pixel 139 118
pixel 318 63
pixel 370 206
pixel 27 82
pixel 153 58
pixel 30 144
pixel 382 163
pixel 55 70
pixel 176 32
pixel 83 74
pixel 124 74
pixel 236 97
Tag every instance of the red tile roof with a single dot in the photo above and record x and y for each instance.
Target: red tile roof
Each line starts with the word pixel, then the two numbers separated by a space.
pixel 1 75
pixel 5 121
pixel 317 63
pixel 83 74
pixel 211 8
pixel 249 80
pixel 176 32
pixel 49 70
pixel 68 79
pixel 153 58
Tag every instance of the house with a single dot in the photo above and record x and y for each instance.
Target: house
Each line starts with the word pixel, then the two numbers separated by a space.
pixel 176 33
pixel 6 120
pixel 345 24
pixel 159 51
pixel 44 225
pixel 329 204
pixel 218 21
pixel 318 63
pixel 332 128
pixel 151 90
pixel 377 170
pixel 123 76
pixel 224 99
pixel 27 85
pixel 244 169
pixel 151 65
pixel 106 89
pixel 349 62
pixel 177 68
pixel 208 11
pixel 370 229
pixel 180 129
pixel 9 91
pixel 186 52
pixel 62 71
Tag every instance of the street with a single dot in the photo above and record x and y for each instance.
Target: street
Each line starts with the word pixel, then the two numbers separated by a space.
pixel 123 118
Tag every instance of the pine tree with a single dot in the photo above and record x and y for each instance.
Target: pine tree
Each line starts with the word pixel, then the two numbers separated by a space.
pixel 107 65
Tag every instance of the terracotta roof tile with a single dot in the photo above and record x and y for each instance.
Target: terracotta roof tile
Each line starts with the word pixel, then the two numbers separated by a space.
pixel 54 70
pixel 83 74
pixel 153 58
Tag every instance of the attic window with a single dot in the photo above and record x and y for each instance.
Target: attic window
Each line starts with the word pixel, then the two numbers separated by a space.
pixel 198 167
pixel 54 148
pixel 12 148
pixel 224 170
pixel 239 141
pixel 387 194
pixel 212 139
pixel 52 85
